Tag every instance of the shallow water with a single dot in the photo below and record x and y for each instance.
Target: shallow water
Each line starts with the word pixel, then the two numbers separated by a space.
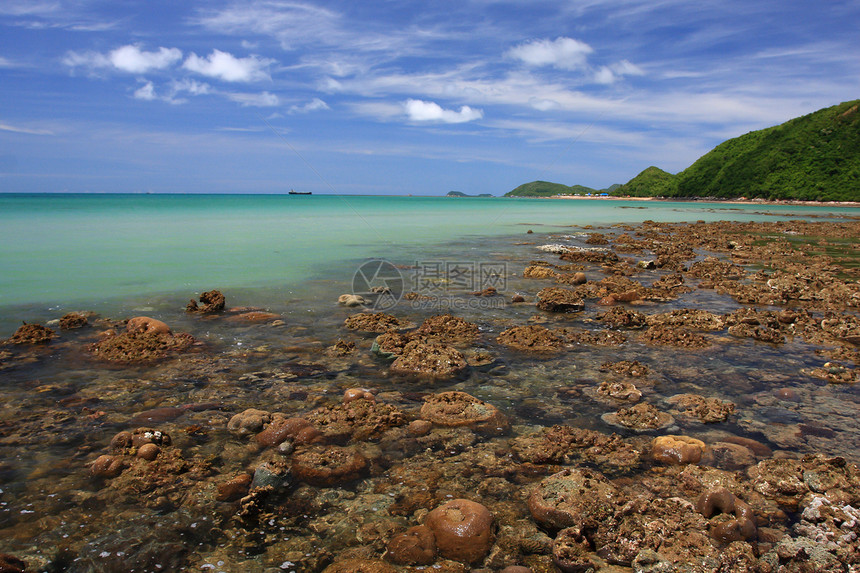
pixel 109 253
pixel 59 411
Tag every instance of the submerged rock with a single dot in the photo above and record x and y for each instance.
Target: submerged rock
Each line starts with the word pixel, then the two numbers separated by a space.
pixel 429 359
pixel 456 409
pixel 143 339
pixel 678 450
pixel 210 302
pixel 373 322
pixel 72 321
pixel 415 546
pixel 641 417
pixel 574 498
pixel 328 465
pixel 531 338
pixel 557 299
pixel 31 334
pixel 463 530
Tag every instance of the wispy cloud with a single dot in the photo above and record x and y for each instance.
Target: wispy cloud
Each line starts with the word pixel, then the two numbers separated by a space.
pixel 229 68
pixel 315 104
pixel 264 99
pixel 27 130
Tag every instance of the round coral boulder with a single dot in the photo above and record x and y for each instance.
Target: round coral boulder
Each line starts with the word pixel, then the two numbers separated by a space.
pixel 463 530
pixel 678 450
pixel 146 324
pixel 328 465
pixel 250 421
pixel 415 546
pixel 453 409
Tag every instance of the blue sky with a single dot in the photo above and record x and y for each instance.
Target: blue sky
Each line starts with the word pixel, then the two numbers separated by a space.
pixel 396 97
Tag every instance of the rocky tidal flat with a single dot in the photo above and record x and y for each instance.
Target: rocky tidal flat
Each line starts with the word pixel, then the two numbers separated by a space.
pixel 653 397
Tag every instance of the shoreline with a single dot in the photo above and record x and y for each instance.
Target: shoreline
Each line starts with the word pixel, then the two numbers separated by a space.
pixel 735 201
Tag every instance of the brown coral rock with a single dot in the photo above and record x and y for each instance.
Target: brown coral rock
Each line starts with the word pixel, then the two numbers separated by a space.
pixel 72 321
pixel 32 334
pixel 721 500
pixel 678 450
pixel 360 566
pixel 531 338
pixel 415 546
pixel 463 530
pixel 639 417
pixel 328 465
pixel 453 409
pixel 210 302
pixel 707 410
pixel 448 329
pixel 557 299
pixel 372 322
pixel 144 339
pixel 573 497
pixel 234 489
pixel 429 359
pixel 147 325
pixel 570 551
pixel 620 391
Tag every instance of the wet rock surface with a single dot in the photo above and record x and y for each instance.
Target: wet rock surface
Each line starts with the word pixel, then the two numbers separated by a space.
pixel 699 413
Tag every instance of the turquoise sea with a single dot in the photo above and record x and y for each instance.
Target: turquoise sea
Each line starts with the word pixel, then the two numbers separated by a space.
pixel 114 253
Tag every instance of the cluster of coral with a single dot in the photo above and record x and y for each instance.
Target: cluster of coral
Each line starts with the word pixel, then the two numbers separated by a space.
pixel 564 432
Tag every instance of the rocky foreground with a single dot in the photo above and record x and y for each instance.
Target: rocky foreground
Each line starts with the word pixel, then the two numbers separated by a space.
pixel 665 397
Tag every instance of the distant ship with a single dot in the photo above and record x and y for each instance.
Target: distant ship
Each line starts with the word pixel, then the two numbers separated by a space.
pixel 300 192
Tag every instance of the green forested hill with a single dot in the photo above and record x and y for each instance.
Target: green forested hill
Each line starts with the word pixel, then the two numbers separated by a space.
pixel 815 157
pixel 546 189
pixel 652 182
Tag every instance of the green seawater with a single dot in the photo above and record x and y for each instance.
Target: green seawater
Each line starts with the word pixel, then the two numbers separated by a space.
pixel 114 253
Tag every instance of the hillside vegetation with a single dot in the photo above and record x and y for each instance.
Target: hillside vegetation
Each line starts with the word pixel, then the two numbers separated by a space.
pixel 547 189
pixel 815 158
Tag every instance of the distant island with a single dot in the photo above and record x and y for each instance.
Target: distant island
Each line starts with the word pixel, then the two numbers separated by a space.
pixel 461 194
pixel 547 189
pixel 815 157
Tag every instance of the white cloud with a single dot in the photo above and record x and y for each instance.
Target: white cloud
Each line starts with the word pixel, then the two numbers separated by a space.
pixel 190 86
pixel 145 92
pixel 543 104
pixel 562 53
pixel 315 104
pixel 130 58
pixel 604 76
pixel 264 99
pixel 136 61
pixel 419 110
pixel 227 67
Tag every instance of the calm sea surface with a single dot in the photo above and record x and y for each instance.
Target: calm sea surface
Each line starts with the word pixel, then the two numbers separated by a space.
pixel 114 253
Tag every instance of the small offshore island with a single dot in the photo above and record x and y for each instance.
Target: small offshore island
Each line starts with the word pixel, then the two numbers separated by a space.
pixel 635 397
